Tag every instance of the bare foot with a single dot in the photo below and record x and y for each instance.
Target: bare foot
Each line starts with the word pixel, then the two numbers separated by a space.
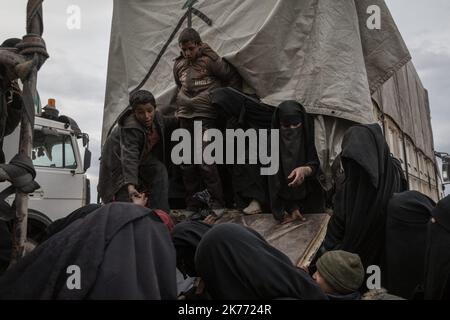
pixel 295 215
pixel 210 219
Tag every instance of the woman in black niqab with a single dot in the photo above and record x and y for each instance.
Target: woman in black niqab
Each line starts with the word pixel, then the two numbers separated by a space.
pixel 236 263
pixel 372 176
pixel 408 215
pixel 437 261
pixel 295 189
pixel 122 250
pixel 185 237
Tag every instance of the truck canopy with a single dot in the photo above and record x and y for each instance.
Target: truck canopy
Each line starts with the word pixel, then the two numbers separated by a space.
pixel 319 52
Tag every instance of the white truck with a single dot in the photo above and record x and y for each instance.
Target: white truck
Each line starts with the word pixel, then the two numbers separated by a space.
pixel 60 168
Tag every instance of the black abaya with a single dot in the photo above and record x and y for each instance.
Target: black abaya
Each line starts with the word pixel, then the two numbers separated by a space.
pixel 372 176
pixel 236 263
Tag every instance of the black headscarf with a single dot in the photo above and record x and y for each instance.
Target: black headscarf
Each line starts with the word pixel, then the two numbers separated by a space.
pixel 186 236
pixel 408 215
pixel 297 148
pixel 247 111
pixel 236 263
pixel 62 223
pixel 122 250
pixel 372 176
pixel 437 262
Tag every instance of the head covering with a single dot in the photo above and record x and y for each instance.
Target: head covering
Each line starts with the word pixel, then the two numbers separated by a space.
pixel 185 237
pixel 237 263
pixel 442 213
pixel 372 176
pixel 342 270
pixel 121 249
pixel 408 215
pixel 62 223
pixel 437 263
pixel 297 148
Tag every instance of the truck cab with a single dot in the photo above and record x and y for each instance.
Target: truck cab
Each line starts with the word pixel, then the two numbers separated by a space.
pixel 60 168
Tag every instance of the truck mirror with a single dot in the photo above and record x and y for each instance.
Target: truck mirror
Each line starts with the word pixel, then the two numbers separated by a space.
pixel 87 159
pixel 446 172
pixel 85 139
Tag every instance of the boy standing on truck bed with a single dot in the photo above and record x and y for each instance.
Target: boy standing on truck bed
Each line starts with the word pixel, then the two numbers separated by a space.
pixel 197 71
pixel 133 156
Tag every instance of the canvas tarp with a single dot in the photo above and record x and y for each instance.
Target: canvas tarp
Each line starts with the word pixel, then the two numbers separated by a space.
pixel 405 100
pixel 319 52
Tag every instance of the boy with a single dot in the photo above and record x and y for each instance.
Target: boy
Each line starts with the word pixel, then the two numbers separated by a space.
pixel 197 71
pixel 133 156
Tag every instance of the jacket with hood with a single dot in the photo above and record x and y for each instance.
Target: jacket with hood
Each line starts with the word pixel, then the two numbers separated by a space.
pixel 196 79
pixel 126 149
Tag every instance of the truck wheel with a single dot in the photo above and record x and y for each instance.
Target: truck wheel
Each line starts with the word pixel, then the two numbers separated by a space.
pixel 36 229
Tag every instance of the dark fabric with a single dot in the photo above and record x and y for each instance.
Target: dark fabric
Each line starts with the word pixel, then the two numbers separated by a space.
pixel 122 250
pixel 442 213
pixel 197 177
pixel 196 79
pixel 236 263
pixel 21 173
pixel 62 223
pixel 237 110
pixel 246 110
pixel 408 215
pixel 123 153
pixel 437 262
pixel 186 236
pixel 347 297
pixel 297 149
pixel 372 176
pixel 155 181
pixel 5 246
pixel 10 112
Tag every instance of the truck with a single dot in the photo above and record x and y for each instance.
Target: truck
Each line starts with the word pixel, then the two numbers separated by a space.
pixel 60 169
pixel 326 54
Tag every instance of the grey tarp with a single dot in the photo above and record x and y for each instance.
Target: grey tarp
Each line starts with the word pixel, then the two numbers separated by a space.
pixel 319 52
pixel 405 100
pixel 314 51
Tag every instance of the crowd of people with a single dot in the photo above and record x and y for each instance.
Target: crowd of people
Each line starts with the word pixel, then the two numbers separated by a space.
pixel 129 248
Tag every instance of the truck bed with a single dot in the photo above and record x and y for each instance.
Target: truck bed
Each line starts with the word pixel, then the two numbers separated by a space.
pixel 299 240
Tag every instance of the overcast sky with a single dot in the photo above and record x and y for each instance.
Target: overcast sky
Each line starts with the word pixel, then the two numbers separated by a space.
pixel 75 75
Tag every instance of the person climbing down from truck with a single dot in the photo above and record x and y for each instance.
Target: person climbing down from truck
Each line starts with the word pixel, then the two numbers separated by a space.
pixel 197 71
pixel 239 110
pixel 294 189
pixel 134 155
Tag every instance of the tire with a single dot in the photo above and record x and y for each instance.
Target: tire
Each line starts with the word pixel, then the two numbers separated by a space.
pixel 36 229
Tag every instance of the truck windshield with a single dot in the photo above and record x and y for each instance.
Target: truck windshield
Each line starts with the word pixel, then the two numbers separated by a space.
pixel 52 149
